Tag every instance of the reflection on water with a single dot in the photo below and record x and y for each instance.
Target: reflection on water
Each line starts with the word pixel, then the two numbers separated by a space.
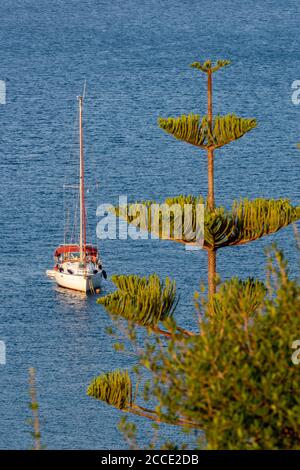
pixel 73 297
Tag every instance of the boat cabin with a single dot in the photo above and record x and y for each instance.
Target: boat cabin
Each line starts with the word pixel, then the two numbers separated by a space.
pixel 71 253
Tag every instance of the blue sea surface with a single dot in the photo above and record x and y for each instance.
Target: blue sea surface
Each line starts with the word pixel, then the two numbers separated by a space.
pixel 135 56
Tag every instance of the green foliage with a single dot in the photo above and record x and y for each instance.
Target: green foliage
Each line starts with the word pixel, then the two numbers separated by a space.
pixel 196 130
pixel 165 213
pixel 247 220
pixel 236 379
pixel 233 379
pixel 236 296
pixel 146 301
pixel 129 429
pixel 114 388
pixel 262 217
pixel 207 66
pixel 34 407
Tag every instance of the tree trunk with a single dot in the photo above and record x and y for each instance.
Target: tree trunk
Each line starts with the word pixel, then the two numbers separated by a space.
pixel 210 178
pixel 212 268
pixel 210 153
pixel 209 98
pixel 212 254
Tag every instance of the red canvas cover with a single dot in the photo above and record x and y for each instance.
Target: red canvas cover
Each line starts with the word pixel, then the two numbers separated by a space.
pixel 89 249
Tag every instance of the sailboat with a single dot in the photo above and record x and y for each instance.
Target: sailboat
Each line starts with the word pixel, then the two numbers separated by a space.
pixel 78 266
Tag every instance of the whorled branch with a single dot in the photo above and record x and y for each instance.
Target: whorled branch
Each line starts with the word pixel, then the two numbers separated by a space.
pixel 209 67
pixel 195 129
pixel 115 389
pixel 145 301
pixel 246 221
pixel 260 217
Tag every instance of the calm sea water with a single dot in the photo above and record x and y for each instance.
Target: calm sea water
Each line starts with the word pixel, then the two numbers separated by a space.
pixel 134 55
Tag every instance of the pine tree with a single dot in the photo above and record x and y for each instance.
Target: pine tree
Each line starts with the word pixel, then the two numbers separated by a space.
pixel 149 302
pixel 209 134
pixel 248 220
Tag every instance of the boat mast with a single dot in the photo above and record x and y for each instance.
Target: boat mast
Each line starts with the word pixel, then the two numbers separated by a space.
pixel 82 240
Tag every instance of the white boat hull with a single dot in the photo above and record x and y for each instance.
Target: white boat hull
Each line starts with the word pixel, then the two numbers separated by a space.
pixel 87 283
pixel 51 273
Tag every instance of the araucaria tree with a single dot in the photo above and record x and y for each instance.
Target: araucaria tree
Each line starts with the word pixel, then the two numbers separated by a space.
pixel 222 392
